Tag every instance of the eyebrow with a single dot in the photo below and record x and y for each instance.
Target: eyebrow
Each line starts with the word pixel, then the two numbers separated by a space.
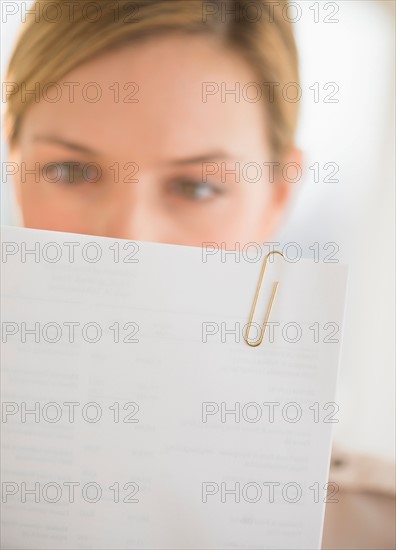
pixel 65 143
pixel 206 157
pixel 197 159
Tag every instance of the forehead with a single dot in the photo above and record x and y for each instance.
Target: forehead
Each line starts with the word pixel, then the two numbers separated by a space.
pixel 163 94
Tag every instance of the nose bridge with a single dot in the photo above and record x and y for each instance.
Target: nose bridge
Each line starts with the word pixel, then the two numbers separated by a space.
pixel 133 213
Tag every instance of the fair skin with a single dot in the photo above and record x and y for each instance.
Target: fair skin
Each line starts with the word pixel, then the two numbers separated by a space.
pixel 170 135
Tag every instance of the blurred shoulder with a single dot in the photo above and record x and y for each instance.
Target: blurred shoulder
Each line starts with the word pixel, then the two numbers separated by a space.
pixel 362 514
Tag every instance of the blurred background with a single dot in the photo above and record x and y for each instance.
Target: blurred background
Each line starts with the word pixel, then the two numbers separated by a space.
pixel 356 52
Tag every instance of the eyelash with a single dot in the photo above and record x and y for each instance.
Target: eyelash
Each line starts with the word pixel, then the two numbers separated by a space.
pixel 176 186
pixel 75 165
pixel 195 184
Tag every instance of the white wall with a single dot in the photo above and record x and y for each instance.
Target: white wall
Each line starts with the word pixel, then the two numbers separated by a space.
pixel 358 212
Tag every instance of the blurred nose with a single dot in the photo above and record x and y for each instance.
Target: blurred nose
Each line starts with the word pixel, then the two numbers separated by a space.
pixel 135 216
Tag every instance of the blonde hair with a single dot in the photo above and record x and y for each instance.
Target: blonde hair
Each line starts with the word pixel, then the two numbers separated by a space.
pixel 54 40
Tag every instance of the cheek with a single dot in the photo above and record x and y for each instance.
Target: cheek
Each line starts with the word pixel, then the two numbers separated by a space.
pixel 258 217
pixel 254 202
pixel 249 215
pixel 42 209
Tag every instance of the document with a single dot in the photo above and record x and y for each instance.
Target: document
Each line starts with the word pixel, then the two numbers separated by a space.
pixel 135 414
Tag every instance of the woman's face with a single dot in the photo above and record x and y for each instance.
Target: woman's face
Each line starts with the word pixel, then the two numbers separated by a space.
pixel 155 158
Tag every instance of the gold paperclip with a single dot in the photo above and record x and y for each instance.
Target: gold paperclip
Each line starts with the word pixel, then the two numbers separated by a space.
pixel 269 308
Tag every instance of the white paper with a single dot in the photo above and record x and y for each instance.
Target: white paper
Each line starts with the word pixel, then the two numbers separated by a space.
pixel 178 467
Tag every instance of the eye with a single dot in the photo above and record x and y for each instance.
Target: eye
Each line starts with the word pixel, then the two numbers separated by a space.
pixel 195 190
pixel 70 172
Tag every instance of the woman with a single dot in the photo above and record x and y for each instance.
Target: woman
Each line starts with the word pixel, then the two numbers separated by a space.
pixel 161 123
pixel 166 121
